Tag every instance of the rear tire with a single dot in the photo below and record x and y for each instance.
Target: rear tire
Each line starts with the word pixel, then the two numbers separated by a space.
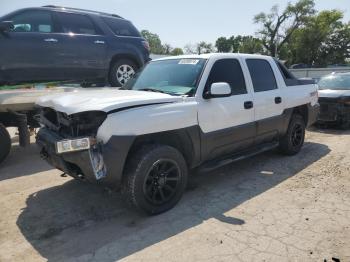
pixel 292 142
pixel 5 143
pixel 121 71
pixel 155 179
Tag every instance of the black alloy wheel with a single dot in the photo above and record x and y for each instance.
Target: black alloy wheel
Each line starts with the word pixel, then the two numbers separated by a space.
pixel 155 178
pixel 297 135
pixel 162 181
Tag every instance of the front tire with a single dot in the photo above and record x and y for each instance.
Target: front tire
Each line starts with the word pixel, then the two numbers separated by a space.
pixel 5 143
pixel 292 142
pixel 155 179
pixel 121 71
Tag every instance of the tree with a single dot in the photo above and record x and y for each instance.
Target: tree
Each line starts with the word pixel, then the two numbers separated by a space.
pixel 223 45
pixel 199 48
pixel 323 40
pixel 236 43
pixel 277 28
pixel 336 48
pixel 190 49
pixel 154 42
pixel 204 48
pixel 177 51
pixel 167 49
pixel 240 44
pixel 251 45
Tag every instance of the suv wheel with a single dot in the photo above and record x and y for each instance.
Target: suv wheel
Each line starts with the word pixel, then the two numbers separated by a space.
pixel 292 142
pixel 5 143
pixel 121 71
pixel 155 179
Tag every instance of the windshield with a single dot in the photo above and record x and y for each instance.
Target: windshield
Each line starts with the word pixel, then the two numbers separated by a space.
pixel 175 76
pixel 336 82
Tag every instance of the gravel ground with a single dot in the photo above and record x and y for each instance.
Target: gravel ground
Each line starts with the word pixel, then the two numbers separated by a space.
pixel 268 208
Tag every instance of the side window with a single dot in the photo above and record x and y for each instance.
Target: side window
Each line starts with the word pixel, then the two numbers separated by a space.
pixel 121 27
pixel 76 24
pixel 262 75
pixel 288 77
pixel 284 71
pixel 229 71
pixel 33 21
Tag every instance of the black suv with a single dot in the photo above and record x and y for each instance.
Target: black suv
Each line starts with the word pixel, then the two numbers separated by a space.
pixel 57 43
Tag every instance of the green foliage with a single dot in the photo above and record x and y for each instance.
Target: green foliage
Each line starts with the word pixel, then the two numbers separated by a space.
pixel 278 27
pixel 324 40
pixel 177 51
pixel 204 48
pixel 154 42
pixel 223 45
pixel 239 44
pixel 166 49
pixel 199 48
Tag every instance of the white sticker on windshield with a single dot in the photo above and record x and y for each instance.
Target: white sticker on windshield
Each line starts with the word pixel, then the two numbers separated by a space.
pixel 188 61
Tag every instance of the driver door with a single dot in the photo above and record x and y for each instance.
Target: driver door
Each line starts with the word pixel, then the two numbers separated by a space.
pixel 227 123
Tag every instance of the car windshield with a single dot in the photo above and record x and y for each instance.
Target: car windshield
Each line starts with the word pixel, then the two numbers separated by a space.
pixel 174 77
pixel 336 82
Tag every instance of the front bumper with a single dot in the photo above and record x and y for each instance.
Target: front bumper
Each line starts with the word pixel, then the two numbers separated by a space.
pixel 334 112
pixel 79 164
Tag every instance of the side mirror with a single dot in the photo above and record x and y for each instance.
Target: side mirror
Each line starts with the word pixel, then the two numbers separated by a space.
pixel 220 89
pixel 6 26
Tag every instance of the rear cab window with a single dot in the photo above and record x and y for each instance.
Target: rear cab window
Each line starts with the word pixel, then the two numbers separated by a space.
pixel 33 21
pixel 228 71
pixel 76 24
pixel 288 77
pixel 121 27
pixel 262 75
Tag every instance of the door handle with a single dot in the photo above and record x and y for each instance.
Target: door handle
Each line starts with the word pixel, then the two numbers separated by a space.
pixel 248 105
pixel 278 100
pixel 52 40
pixel 99 42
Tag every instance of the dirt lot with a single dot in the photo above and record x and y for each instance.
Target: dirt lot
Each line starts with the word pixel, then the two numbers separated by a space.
pixel 268 208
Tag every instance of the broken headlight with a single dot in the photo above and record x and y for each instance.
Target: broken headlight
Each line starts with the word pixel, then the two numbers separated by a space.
pixel 87 123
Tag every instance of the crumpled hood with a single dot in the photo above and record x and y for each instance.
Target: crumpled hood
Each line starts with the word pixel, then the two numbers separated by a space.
pixel 102 100
pixel 333 93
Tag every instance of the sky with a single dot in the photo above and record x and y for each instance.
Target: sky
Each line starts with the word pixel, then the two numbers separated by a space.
pixel 181 22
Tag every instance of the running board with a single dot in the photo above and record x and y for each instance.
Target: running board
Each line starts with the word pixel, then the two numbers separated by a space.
pixel 214 164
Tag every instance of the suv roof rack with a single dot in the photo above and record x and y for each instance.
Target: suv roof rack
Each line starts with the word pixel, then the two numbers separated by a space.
pixel 83 10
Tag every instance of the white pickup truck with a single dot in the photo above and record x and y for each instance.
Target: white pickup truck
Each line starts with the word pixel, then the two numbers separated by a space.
pixel 177 114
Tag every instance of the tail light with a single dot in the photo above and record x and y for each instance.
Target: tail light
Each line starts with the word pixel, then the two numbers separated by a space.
pixel 146 45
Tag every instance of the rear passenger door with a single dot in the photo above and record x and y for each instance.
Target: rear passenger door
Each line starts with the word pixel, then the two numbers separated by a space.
pixel 227 123
pixel 268 103
pixel 82 45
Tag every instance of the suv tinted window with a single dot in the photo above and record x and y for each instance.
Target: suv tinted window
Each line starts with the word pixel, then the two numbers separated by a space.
pixel 262 75
pixel 76 23
pixel 121 27
pixel 33 21
pixel 229 71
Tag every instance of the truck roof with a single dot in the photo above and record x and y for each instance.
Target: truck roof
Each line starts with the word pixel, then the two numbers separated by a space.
pixel 213 55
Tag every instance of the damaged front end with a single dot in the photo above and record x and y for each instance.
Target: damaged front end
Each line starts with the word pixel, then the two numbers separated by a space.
pixel 334 110
pixel 68 142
